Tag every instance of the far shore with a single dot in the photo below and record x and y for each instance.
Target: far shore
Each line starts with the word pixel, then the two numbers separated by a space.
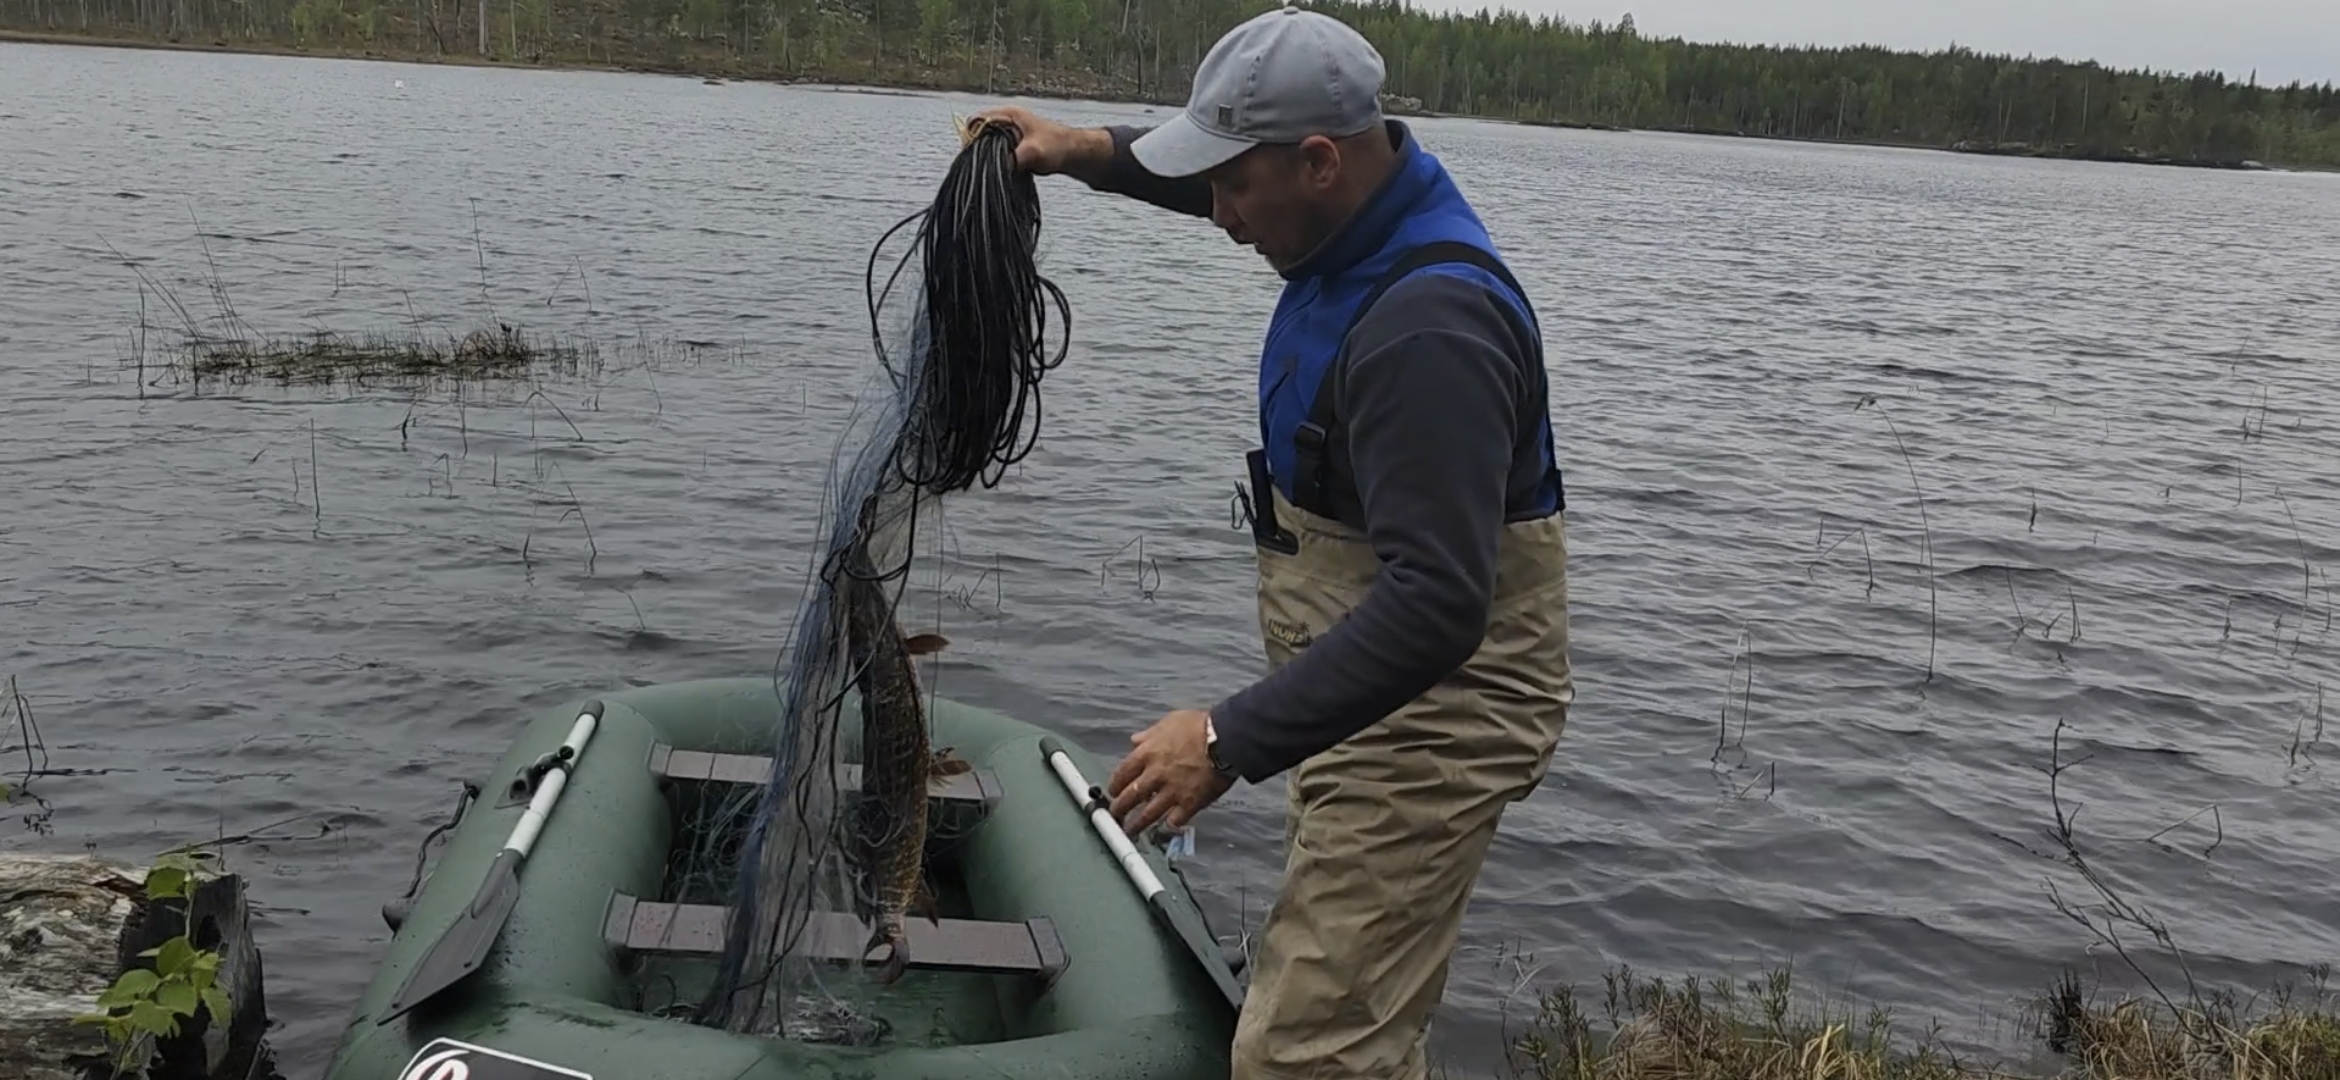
pixel 1052 85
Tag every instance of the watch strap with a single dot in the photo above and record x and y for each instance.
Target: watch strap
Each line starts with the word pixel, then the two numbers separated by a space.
pixel 1219 762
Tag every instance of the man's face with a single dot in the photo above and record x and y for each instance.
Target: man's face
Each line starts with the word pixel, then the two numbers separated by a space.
pixel 1274 198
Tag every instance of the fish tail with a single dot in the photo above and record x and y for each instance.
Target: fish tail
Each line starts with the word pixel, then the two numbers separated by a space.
pixel 889 933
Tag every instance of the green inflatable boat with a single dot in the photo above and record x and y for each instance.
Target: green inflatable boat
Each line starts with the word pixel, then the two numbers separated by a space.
pixel 556 937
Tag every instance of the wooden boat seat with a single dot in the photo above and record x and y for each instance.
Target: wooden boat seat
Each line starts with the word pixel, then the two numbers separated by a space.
pixel 971 789
pixel 1028 948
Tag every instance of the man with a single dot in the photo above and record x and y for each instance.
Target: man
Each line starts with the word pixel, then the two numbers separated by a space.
pixel 1408 524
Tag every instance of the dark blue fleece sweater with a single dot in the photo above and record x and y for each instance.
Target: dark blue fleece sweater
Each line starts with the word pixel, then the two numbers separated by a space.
pixel 1442 448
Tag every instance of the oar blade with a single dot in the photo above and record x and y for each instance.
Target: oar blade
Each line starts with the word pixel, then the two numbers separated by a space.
pixel 1186 922
pixel 465 945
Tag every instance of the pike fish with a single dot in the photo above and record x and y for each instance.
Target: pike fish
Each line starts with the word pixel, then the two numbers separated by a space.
pixel 897 764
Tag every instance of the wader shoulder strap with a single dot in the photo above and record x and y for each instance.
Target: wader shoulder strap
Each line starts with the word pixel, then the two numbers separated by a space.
pixel 1310 461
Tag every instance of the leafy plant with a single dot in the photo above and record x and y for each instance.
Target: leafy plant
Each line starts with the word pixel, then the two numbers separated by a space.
pixel 146 1004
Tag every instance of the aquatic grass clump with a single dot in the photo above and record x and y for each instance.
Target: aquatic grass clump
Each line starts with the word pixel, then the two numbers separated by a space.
pixel 2215 1038
pixel 1754 1030
pixel 1717 1030
pixel 328 358
pixel 224 347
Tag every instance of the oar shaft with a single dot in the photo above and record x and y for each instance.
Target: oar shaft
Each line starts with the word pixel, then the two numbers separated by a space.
pixel 1101 817
pixel 548 790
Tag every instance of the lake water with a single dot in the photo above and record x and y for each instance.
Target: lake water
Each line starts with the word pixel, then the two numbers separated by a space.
pixel 306 616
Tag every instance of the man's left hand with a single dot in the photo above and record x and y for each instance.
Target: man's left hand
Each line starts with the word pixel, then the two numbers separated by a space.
pixel 1168 777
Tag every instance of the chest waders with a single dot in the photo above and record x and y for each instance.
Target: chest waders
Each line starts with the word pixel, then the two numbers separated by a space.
pixel 1386 832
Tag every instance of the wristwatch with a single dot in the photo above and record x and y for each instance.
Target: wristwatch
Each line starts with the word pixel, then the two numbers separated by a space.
pixel 1219 763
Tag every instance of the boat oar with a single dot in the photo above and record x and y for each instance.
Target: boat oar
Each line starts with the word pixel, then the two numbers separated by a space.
pixel 1182 920
pixel 461 948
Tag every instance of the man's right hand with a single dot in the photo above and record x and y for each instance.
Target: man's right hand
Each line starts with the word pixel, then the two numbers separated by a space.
pixel 1048 147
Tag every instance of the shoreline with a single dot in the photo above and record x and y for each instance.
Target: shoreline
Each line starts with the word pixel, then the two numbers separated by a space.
pixel 1057 89
pixel 1058 86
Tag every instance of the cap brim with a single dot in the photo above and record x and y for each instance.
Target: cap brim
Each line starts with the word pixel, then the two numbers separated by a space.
pixel 1183 148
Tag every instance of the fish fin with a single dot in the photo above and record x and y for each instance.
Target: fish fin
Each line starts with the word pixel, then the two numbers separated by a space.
pixel 922 644
pixel 944 763
pixel 925 903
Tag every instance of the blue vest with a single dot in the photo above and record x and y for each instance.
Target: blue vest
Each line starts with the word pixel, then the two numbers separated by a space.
pixel 1418 222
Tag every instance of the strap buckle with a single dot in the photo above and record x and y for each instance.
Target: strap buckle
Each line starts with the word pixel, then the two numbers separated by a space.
pixel 1308 460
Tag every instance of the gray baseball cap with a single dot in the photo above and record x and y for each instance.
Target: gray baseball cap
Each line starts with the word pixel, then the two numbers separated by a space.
pixel 1277 78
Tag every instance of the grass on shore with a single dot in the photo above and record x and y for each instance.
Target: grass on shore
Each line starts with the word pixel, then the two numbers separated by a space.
pixel 1753 1030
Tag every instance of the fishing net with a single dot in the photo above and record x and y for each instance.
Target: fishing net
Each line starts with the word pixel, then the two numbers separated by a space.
pixel 953 409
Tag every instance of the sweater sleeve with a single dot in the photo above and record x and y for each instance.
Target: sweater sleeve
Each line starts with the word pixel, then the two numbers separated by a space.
pixel 1189 195
pixel 1430 402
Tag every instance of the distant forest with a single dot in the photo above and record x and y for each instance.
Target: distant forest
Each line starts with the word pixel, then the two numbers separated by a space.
pixel 1505 65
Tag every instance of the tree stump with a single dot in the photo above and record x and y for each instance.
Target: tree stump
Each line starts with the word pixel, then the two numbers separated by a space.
pixel 71 925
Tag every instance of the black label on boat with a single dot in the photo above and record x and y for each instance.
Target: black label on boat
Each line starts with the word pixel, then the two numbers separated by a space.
pixel 448 1059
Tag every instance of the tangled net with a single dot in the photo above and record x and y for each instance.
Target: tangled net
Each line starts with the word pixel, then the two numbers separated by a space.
pixel 955 409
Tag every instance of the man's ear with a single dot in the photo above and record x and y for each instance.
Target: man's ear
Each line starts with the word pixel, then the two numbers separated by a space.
pixel 1320 161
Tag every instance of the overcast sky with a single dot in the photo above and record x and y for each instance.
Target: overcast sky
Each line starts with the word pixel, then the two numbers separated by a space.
pixel 2283 39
